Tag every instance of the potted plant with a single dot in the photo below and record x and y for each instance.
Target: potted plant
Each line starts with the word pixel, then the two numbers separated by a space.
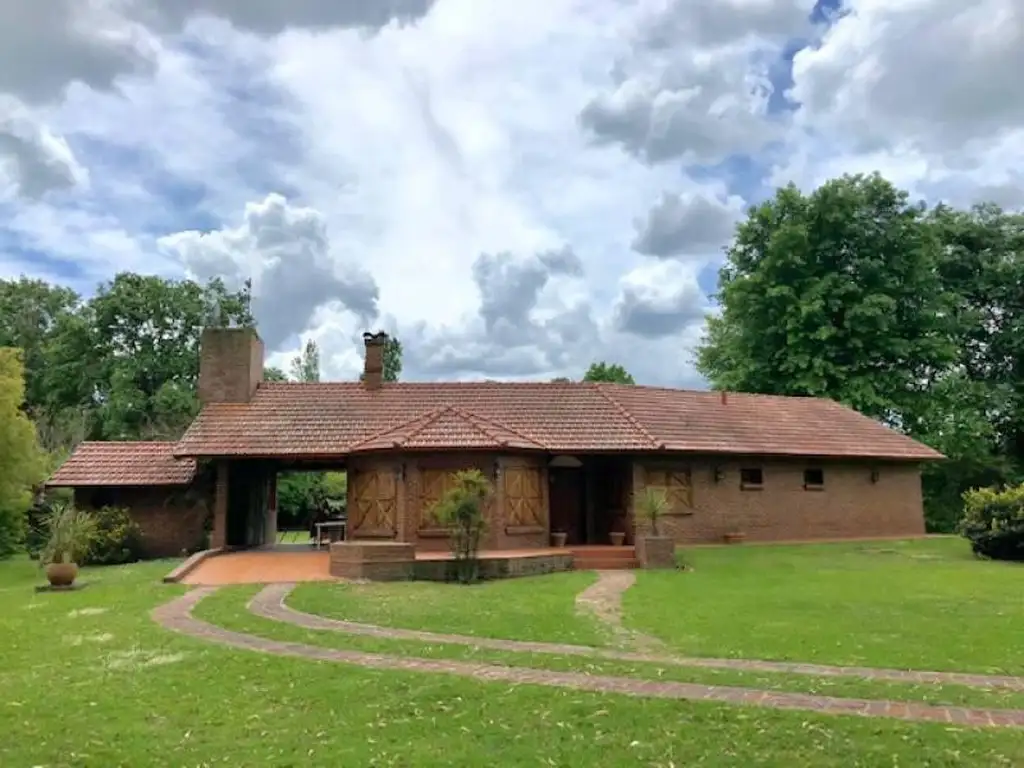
pixel 617 538
pixel 69 534
pixel 735 537
pixel 617 535
pixel 558 539
pixel 652 549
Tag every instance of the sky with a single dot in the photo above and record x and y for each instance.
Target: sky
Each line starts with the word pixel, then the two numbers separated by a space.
pixel 515 189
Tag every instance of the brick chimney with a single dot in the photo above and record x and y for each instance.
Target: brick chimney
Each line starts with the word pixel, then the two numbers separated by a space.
pixel 373 367
pixel 230 365
pixel 725 397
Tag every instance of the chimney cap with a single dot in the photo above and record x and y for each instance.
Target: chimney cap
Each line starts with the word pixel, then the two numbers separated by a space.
pixel 380 337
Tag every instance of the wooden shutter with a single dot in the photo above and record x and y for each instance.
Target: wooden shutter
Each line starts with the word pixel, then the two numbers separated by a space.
pixel 374 502
pixel 524 499
pixel 675 484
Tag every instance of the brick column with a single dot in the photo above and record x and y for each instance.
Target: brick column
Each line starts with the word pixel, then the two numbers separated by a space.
pixel 218 537
pixel 270 537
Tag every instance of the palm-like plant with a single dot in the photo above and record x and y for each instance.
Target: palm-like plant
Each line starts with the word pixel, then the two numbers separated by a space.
pixel 653 503
pixel 70 532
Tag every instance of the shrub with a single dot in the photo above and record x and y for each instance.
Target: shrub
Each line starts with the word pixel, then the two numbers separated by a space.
pixel 117 539
pixel 462 510
pixel 653 504
pixel 993 521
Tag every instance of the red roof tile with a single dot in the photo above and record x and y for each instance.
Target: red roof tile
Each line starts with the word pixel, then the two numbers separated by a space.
pixel 123 463
pixel 333 419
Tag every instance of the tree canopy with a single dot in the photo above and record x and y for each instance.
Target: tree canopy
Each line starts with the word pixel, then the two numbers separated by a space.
pixel 21 461
pixel 910 315
pixel 609 372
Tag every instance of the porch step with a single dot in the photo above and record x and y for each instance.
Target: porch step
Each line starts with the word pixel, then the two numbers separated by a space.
pixel 599 558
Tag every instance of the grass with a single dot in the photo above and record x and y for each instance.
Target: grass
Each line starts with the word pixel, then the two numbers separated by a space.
pixel 227 608
pixel 924 604
pixel 293 537
pixel 534 608
pixel 88 679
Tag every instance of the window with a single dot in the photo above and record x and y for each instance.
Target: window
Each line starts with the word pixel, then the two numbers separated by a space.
pixel 751 478
pixel 101 497
pixel 814 478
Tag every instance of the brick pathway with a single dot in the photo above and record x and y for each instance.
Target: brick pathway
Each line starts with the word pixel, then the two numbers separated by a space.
pixel 176 615
pixel 270 604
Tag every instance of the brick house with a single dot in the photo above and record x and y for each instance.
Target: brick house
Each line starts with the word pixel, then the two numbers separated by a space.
pixel 563 456
pixel 166 496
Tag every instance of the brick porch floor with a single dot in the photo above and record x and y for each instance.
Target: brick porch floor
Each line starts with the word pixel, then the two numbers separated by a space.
pixel 291 565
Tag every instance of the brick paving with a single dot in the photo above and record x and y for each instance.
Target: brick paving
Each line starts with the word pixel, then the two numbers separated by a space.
pixel 270 604
pixel 176 615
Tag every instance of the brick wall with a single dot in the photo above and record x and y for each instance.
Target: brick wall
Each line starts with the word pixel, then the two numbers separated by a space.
pixel 169 524
pixel 230 365
pixel 409 472
pixel 857 500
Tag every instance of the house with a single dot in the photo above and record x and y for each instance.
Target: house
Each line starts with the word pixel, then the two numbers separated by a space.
pixel 563 456
pixel 167 497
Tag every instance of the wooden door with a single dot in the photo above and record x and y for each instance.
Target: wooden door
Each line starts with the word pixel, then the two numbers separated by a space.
pixel 566 501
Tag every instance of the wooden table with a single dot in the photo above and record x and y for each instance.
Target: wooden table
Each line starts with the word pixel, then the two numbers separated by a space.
pixel 333 529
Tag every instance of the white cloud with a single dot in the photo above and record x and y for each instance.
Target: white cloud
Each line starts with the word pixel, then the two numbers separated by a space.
pixel 508 186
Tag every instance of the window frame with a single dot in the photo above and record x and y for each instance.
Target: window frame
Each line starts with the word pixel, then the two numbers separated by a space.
pixel 810 485
pixel 747 484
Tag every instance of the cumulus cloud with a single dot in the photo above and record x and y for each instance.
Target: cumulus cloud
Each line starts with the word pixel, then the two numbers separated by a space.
pixel 697 223
pixel 286 253
pixel 659 299
pixel 36 159
pixel 696 85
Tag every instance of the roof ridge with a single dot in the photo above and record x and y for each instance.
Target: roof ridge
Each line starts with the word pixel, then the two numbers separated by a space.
pixel 424 416
pixel 495 423
pixel 633 421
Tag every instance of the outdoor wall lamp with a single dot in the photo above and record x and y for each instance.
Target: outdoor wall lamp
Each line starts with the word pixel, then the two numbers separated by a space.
pixel 497 469
pixel 874 474
pixel 718 474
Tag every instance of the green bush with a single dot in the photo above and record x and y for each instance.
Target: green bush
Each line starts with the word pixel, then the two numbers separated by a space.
pixel 993 521
pixel 117 539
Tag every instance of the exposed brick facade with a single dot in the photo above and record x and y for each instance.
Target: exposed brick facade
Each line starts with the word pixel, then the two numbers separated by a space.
pixel 411 518
pixel 171 522
pixel 230 366
pixel 857 500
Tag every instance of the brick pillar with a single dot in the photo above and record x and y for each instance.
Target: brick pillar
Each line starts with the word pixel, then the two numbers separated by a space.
pixel 218 537
pixel 270 537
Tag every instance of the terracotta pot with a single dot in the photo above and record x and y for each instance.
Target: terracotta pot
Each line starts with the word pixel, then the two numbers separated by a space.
pixel 617 537
pixel 61 574
pixel 734 538
pixel 558 539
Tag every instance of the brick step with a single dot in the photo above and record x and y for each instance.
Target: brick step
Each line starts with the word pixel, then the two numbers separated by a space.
pixel 603 563
pixel 623 553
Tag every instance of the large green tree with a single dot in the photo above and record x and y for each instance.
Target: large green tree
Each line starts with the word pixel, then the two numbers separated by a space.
pixel 835 293
pixel 21 462
pixel 608 372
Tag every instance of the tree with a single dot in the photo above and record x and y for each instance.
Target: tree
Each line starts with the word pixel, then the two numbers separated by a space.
pixel 609 372
pixel 462 509
pixel 836 294
pixel 392 359
pixel 306 364
pixel 273 373
pixel 143 332
pixel 21 461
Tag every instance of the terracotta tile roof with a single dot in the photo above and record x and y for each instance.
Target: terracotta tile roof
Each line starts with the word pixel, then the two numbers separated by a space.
pixel 123 463
pixel 333 419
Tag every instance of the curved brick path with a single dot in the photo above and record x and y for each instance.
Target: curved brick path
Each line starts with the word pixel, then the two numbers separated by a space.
pixel 603 600
pixel 177 615
pixel 269 603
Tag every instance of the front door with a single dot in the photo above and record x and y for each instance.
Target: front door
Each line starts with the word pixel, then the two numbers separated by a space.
pixel 566 501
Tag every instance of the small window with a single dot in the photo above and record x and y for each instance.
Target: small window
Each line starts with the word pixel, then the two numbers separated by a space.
pixel 751 478
pixel 814 478
pixel 101 497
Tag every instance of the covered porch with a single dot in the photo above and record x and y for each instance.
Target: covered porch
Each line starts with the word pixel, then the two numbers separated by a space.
pixel 391 497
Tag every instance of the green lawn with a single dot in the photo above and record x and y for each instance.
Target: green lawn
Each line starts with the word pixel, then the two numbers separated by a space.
pixel 919 605
pixel 88 679
pixel 228 608
pixel 535 608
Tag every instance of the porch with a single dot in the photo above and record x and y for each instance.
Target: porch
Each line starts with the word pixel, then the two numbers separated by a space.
pixel 291 565
pixel 392 496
